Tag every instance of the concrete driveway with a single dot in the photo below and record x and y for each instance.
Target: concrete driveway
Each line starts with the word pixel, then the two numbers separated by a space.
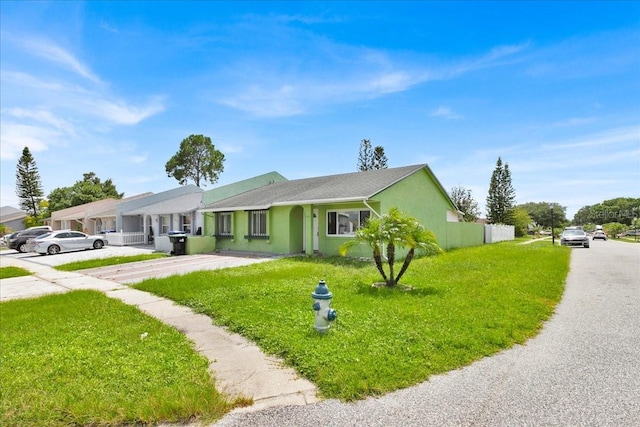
pixel 582 370
pixel 47 280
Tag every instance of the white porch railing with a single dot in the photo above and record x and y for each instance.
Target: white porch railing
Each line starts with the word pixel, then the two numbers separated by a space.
pixel 126 238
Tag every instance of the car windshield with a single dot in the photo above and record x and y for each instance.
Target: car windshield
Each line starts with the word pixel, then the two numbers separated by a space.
pixel 42 236
pixel 573 232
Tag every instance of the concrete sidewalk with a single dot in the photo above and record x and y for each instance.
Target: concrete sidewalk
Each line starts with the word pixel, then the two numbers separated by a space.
pixel 239 366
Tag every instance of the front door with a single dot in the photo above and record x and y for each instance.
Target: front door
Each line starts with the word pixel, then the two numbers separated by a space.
pixel 316 236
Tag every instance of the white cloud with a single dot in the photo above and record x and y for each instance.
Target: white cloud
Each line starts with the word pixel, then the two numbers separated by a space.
pixel 347 74
pixel 613 136
pixel 15 136
pixel 120 112
pixel 573 121
pixel 42 116
pixel 60 56
pixel 445 113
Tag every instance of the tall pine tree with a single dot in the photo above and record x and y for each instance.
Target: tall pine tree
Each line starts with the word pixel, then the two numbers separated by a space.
pixel 371 158
pixel 28 183
pixel 502 196
pixel 379 158
pixel 365 157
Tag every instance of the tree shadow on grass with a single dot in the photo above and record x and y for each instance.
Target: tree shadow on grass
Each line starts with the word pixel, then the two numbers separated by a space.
pixel 335 261
pixel 380 291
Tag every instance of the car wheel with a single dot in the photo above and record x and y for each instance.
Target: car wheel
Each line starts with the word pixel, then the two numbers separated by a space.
pixel 53 249
pixel 22 248
pixel 98 244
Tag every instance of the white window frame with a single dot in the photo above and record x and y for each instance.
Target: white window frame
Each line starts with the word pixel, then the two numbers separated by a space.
pixel 165 224
pixel 186 223
pixel 352 219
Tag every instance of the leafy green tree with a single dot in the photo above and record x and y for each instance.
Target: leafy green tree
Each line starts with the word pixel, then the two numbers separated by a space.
pixel 28 183
pixel 613 229
pixel 502 196
pixel 393 230
pixel 583 216
pixel 522 220
pixel 197 160
pixel 464 201
pixel 87 190
pixel 540 213
pixel 31 221
pixel 60 198
pixel 620 209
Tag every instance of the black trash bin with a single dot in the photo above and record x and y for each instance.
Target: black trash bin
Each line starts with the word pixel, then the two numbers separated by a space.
pixel 179 240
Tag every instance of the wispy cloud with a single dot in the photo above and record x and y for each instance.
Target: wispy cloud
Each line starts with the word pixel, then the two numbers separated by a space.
pixel 43 108
pixel 573 121
pixel 108 27
pixel 56 54
pixel 445 113
pixel 348 74
pixel 15 136
pixel 122 113
pixel 610 137
pixel 41 116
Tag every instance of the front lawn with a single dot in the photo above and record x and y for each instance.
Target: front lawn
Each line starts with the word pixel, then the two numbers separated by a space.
pixel 465 304
pixel 9 272
pixel 81 358
pixel 105 262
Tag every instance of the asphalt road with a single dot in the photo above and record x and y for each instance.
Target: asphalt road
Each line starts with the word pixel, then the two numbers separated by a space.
pixel 583 369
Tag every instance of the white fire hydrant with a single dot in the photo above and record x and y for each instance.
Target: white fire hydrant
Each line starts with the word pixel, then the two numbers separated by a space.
pixel 322 306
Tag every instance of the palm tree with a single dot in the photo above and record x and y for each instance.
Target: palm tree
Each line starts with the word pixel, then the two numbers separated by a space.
pixel 395 230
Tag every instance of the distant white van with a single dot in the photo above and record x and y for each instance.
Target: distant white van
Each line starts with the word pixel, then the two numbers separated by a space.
pixel 598 227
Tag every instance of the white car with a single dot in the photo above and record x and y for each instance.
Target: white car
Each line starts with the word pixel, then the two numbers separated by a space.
pixel 65 241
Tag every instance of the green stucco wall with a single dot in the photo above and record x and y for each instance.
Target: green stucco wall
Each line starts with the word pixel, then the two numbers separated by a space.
pixel 329 245
pixel 280 241
pixel 419 196
pixel 463 234
pixel 200 245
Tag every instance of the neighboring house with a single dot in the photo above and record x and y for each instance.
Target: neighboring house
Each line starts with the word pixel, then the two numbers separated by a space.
pixel 92 218
pixel 12 218
pixel 317 215
pixel 178 210
pixel 151 218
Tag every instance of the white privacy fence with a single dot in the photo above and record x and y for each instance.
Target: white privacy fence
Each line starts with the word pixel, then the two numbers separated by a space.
pixel 126 238
pixel 498 232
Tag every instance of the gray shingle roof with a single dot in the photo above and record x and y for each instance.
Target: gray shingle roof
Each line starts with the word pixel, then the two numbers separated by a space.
pixel 325 189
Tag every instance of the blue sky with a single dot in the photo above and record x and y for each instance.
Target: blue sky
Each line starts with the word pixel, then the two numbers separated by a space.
pixel 113 87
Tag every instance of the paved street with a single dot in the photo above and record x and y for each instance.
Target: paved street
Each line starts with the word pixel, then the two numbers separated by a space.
pixel 582 370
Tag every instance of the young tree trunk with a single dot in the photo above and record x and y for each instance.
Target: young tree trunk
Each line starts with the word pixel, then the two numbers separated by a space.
pixel 378 260
pixel 405 265
pixel 391 258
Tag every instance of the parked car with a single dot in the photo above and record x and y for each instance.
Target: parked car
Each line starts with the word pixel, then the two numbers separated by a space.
pixel 65 241
pixel 574 237
pixel 599 234
pixel 18 241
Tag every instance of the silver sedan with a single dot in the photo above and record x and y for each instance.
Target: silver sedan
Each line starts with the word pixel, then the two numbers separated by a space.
pixel 65 241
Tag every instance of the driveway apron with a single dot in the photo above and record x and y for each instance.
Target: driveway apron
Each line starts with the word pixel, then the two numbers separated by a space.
pixel 583 369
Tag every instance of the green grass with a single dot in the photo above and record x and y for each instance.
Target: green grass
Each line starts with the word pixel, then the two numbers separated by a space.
pixel 104 262
pixel 629 239
pixel 9 272
pixel 465 305
pixel 79 359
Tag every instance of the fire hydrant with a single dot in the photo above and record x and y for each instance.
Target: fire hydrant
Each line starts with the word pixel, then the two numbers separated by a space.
pixel 322 306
